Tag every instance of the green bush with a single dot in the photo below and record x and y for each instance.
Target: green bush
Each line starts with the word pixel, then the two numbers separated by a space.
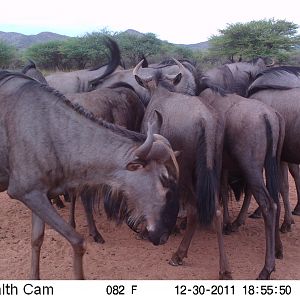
pixel 7 55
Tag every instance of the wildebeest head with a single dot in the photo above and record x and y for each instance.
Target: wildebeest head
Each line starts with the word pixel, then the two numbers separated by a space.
pixel 148 190
pixel 234 77
pixel 176 77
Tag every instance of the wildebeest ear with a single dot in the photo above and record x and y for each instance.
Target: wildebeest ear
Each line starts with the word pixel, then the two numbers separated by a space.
pixel 140 81
pixel 177 79
pixel 158 120
pixel 135 165
pixel 145 62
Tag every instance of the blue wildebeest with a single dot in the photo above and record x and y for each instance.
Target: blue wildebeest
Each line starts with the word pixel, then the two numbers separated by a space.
pixel 119 105
pixel 232 77
pixel 168 68
pixel 279 87
pixel 78 81
pixel 49 146
pixel 194 129
pixel 252 143
pixel 275 78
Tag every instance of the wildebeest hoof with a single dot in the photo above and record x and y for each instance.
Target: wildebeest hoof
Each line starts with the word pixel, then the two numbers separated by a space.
pixel 99 239
pixel 176 260
pixel 235 226
pixel 225 275
pixel 227 229
pixel 279 254
pixel 264 275
pixel 286 227
pixel 256 215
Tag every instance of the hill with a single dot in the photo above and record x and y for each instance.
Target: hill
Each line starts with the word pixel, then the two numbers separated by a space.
pixel 196 47
pixel 22 41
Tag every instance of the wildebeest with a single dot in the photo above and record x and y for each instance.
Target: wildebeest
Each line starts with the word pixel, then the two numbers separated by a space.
pixel 281 90
pixel 272 78
pixel 119 105
pixel 194 129
pixel 126 76
pixel 49 146
pixel 168 68
pixel 252 143
pixel 232 77
pixel 78 81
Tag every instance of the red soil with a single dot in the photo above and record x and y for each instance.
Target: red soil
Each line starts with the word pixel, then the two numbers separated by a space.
pixel 123 256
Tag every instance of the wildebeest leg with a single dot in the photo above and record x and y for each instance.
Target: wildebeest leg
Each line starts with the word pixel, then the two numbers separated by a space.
pixel 268 208
pixel 294 170
pixel 66 197
pixel 87 201
pixel 37 238
pixel 181 253
pixel 241 218
pixel 284 190
pixel 225 272
pixel 40 205
pixel 256 214
pixel 72 197
pixel 57 201
pixel 225 199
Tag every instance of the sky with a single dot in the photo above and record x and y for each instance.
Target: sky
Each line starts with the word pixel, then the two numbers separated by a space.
pixel 181 22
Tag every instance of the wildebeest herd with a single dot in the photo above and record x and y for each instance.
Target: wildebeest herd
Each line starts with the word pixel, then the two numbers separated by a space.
pixel 151 142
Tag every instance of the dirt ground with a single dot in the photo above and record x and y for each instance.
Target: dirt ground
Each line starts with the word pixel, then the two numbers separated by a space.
pixel 123 256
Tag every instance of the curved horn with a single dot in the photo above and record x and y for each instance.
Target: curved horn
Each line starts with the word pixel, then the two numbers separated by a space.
pixel 137 67
pixel 271 64
pixel 143 150
pixel 180 65
pixel 162 151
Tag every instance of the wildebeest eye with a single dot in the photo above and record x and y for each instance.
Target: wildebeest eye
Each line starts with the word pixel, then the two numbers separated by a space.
pixel 164 179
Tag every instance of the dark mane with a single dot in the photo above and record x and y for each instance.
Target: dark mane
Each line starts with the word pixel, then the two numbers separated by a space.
pixel 281 70
pixel 171 62
pixel 256 89
pixel 276 71
pixel 30 65
pixel 122 84
pixel 31 83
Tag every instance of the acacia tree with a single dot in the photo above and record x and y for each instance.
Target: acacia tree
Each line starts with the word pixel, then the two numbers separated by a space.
pixel 134 47
pixel 46 55
pixel 7 54
pixel 266 38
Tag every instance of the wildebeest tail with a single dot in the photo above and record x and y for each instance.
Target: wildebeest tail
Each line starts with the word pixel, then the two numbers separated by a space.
pixel 206 182
pixel 271 165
